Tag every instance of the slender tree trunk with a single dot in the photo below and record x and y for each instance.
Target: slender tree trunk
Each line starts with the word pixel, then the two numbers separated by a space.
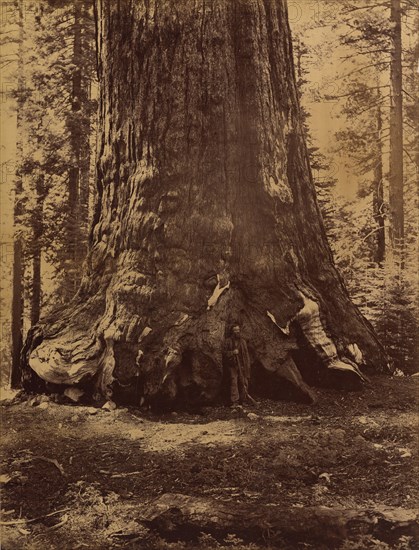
pixel 17 311
pixel 74 175
pixel 396 189
pixel 378 193
pixel 37 232
pixel 80 129
pixel 206 215
pixel 18 265
pixel 36 286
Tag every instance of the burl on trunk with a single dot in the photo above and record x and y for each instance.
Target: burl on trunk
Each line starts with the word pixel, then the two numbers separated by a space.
pixel 206 216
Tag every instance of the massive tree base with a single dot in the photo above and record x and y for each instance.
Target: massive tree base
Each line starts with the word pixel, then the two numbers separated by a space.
pixel 179 362
pixel 206 215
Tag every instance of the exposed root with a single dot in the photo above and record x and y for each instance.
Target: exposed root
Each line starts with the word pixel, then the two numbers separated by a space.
pixel 179 359
pixel 311 325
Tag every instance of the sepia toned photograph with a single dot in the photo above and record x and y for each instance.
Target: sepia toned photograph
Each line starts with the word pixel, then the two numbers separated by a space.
pixel 209 274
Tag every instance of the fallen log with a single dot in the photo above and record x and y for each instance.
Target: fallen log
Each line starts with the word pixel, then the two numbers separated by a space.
pixel 182 517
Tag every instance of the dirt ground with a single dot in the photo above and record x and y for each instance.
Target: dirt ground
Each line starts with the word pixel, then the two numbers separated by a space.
pixel 76 477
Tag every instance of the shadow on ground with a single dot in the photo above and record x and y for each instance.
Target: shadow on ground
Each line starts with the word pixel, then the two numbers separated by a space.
pixel 78 477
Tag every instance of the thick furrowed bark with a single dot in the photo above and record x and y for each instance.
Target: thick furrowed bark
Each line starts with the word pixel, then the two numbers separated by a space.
pixel 206 213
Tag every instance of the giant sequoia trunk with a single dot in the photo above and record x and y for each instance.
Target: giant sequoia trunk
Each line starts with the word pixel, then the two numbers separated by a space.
pixel 206 215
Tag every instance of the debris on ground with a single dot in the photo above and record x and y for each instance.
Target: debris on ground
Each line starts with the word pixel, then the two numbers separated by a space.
pixel 76 476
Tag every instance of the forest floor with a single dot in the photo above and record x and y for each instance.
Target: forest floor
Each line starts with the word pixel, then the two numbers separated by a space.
pixel 76 477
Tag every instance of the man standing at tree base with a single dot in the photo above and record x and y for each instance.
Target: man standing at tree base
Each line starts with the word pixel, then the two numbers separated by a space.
pixel 238 362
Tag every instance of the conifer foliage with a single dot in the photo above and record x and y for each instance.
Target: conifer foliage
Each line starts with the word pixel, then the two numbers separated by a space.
pixel 374 235
pixel 55 111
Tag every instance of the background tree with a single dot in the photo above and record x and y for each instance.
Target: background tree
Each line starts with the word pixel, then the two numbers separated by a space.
pixel 376 32
pixel 55 107
pixel 360 225
pixel 18 259
pixel 62 72
pixel 321 168
pixel 364 141
pixel 396 180
pixel 78 123
pixel 206 214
